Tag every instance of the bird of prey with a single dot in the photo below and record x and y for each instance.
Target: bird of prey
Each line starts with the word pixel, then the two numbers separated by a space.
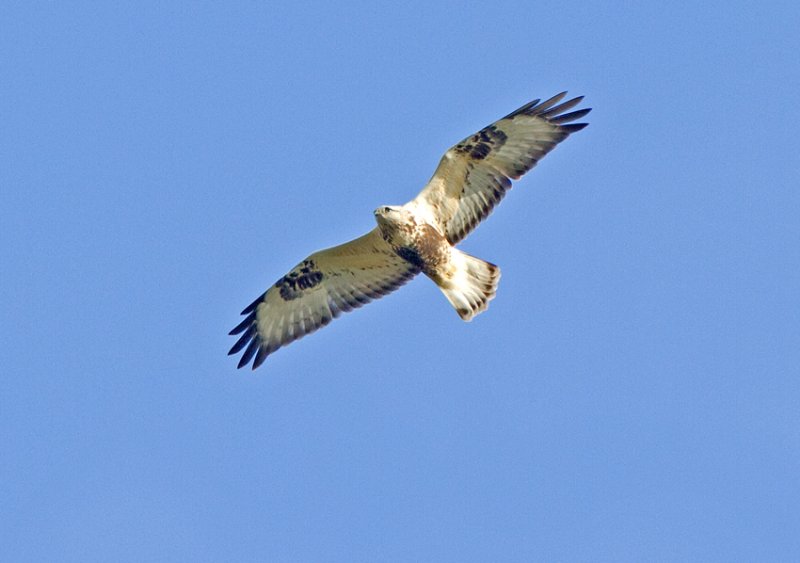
pixel 418 237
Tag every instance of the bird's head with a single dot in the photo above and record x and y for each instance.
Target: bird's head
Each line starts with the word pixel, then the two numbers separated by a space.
pixel 392 217
pixel 385 210
pixel 392 214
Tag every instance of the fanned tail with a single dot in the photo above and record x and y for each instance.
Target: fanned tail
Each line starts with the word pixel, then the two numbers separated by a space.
pixel 472 286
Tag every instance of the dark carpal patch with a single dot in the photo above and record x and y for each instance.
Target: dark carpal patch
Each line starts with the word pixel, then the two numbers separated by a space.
pixel 305 276
pixel 482 143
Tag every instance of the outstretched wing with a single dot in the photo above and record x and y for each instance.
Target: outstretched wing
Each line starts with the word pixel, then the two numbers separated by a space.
pixel 474 175
pixel 319 289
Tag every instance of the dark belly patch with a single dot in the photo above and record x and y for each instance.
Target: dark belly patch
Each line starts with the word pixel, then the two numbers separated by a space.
pixel 411 255
pixel 429 250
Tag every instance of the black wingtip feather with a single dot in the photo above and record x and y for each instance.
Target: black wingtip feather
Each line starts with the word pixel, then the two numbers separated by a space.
pixel 571 116
pixel 248 354
pixel 243 340
pixel 547 104
pixel 252 306
pixel 262 354
pixel 573 127
pixel 242 325
pixel 523 109
pixel 554 111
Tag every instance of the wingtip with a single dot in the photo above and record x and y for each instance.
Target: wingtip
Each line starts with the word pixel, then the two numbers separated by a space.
pixel 576 100
pixel 573 127
pixel 567 117
pixel 261 355
pixel 252 306
pixel 554 99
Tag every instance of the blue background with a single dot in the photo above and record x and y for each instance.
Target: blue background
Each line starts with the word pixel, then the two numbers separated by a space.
pixel 631 394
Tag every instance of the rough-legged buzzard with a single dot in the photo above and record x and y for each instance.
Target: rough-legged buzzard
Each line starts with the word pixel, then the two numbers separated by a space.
pixel 420 236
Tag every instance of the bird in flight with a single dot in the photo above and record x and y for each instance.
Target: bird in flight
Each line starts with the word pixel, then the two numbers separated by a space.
pixel 418 237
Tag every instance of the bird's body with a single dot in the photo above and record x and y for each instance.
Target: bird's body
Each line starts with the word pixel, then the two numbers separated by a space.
pixel 418 237
pixel 467 282
pixel 414 240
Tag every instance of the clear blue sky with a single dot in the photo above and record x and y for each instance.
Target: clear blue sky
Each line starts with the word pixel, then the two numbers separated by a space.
pixel 633 393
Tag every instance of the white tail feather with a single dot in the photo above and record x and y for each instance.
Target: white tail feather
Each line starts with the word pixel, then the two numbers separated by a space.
pixel 473 285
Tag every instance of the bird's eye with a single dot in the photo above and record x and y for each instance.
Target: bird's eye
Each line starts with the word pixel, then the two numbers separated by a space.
pixel 386 210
